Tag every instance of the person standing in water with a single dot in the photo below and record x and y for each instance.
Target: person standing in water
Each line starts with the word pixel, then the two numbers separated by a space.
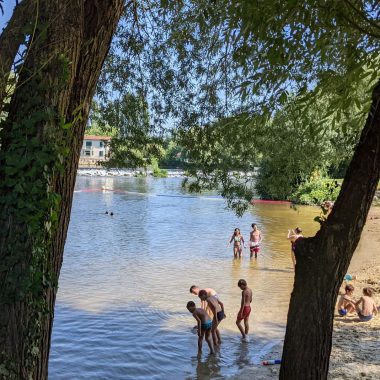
pixel 293 235
pixel 255 240
pixel 238 240
pixel 204 325
pixel 245 309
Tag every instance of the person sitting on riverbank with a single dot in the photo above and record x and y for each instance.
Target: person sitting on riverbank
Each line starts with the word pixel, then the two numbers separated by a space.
pixel 366 307
pixel 254 240
pixel 238 240
pixel 204 324
pixel 345 304
pixel 217 308
pixel 245 309
pixel 293 235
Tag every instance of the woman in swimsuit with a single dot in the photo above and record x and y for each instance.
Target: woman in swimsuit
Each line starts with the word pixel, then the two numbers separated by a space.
pixel 238 240
pixel 293 235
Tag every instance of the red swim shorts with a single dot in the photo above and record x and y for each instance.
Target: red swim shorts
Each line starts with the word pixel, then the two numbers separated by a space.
pixel 255 249
pixel 244 314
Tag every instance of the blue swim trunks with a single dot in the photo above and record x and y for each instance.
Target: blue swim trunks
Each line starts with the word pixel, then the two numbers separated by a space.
pixel 365 318
pixel 207 325
pixel 342 312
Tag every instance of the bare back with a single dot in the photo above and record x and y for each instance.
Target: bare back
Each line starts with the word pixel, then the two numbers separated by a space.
pixel 201 314
pixel 246 297
pixel 368 306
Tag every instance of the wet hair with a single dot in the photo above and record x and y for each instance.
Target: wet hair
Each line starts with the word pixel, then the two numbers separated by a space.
pixel 349 288
pixel 236 230
pixel 298 230
pixel 111 213
pixel 192 287
pixel 106 212
pixel 368 291
pixel 254 225
pixel 242 282
pixel 190 304
pixel 202 293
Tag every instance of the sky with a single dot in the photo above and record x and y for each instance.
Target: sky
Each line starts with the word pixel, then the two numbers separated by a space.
pixel 8 6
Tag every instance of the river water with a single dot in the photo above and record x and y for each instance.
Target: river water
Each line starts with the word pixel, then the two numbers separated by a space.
pixel 121 305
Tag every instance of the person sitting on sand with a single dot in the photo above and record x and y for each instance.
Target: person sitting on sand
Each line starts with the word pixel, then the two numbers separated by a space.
pixel 204 324
pixel 293 235
pixel 217 309
pixel 366 307
pixel 345 304
pixel 254 240
pixel 238 240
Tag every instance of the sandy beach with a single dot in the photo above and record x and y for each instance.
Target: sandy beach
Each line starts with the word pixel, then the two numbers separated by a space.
pixel 356 345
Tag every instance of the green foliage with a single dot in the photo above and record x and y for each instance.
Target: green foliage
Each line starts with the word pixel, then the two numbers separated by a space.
pixel 156 171
pixel 174 157
pixel 202 62
pixel 34 145
pixel 134 143
pixel 316 190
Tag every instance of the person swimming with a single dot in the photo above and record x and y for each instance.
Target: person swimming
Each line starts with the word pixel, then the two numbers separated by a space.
pixel 238 240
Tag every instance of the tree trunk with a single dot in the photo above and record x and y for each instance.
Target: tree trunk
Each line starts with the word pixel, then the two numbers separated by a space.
pixel 12 37
pixel 41 141
pixel 323 260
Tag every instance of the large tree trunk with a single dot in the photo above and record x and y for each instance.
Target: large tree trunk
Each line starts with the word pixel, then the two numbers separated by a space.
pixel 11 38
pixel 41 142
pixel 322 261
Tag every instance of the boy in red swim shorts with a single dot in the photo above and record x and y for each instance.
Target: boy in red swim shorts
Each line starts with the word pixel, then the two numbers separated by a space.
pixel 245 309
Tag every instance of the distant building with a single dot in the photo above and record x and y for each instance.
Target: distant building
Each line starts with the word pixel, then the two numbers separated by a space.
pixel 94 149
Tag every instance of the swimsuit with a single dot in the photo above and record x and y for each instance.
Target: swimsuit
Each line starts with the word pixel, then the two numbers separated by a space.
pixel 245 313
pixel 255 247
pixel 207 325
pixel 220 315
pixel 365 318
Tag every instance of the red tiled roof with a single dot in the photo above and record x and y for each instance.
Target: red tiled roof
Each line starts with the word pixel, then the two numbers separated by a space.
pixel 97 138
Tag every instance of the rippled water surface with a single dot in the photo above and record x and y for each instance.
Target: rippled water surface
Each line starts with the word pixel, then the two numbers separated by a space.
pixel 120 311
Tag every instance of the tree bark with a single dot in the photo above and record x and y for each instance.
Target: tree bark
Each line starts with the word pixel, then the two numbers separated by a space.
pixel 323 260
pixel 41 141
pixel 12 37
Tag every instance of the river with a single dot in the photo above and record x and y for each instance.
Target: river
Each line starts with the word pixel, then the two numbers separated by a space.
pixel 121 304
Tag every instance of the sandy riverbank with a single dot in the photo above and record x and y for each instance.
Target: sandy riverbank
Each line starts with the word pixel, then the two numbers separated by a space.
pixel 356 345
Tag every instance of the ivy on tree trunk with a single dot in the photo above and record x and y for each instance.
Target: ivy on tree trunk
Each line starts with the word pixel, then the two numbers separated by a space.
pixel 41 141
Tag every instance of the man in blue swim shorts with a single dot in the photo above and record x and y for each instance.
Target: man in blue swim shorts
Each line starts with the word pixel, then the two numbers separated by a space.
pixel 204 324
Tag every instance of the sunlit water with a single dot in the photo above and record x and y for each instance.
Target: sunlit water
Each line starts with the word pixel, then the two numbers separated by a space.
pixel 125 280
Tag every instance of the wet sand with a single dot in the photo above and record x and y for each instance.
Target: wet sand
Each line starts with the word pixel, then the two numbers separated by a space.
pixel 356 345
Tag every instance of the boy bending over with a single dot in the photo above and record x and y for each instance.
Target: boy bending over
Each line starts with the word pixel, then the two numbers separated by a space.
pixel 204 324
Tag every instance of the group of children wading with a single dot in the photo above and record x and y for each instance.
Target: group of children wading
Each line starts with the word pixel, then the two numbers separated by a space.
pixel 211 313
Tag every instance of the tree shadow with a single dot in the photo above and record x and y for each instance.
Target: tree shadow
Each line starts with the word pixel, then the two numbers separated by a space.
pixel 138 341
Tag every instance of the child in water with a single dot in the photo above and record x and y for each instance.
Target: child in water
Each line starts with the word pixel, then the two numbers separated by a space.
pixel 217 309
pixel 245 309
pixel 204 324
pixel 238 240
